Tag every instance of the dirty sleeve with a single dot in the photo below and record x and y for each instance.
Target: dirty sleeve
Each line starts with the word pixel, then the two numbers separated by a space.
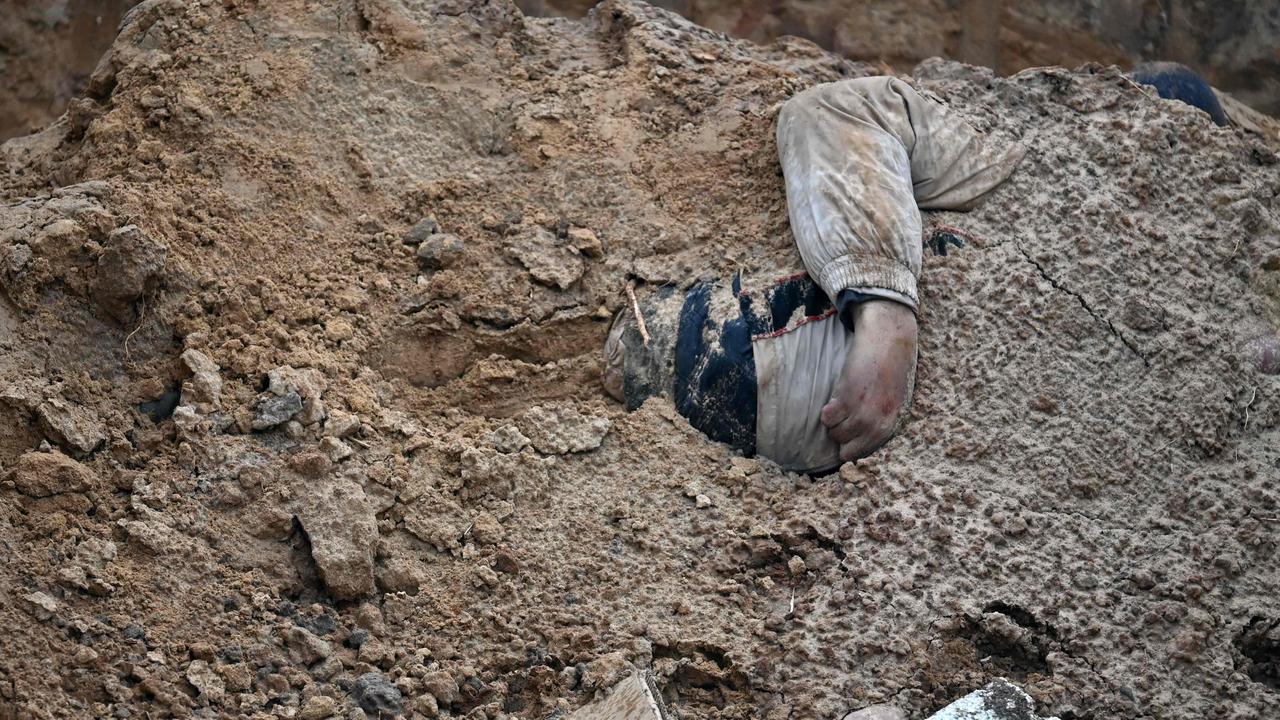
pixel 860 159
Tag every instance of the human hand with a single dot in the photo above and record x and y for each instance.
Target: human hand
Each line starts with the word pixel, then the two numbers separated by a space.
pixel 875 383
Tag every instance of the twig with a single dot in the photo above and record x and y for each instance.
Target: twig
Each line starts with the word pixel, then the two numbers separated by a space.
pixel 1249 405
pixel 635 309
pixel 142 312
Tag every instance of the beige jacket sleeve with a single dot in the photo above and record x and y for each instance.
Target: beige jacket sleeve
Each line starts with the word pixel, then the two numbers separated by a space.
pixel 860 158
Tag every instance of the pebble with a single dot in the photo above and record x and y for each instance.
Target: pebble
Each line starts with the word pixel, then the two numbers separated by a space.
pixel 318 707
pixel 508 439
pixel 421 230
pixel 335 449
pixel 1265 353
pixel 72 426
pixel 358 637
pixel 440 251
pixel 377 696
pixel 41 605
pixel 273 410
pixel 586 242
pixel 203 678
pixel 341 424
pixel 340 522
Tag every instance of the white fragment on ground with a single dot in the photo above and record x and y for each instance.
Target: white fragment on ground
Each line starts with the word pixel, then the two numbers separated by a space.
pixel 634 698
pixel 508 439
pixel 876 712
pixel 561 430
pixel 999 700
pixel 41 605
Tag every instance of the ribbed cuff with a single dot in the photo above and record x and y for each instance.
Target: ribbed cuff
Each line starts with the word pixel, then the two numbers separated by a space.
pixel 849 271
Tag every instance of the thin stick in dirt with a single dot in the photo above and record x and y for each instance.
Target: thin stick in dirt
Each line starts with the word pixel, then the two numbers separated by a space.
pixel 635 309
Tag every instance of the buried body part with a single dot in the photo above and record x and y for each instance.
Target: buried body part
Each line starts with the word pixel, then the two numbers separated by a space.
pixel 813 368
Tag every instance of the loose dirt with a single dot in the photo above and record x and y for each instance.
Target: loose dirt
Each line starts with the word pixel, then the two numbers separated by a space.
pixel 264 455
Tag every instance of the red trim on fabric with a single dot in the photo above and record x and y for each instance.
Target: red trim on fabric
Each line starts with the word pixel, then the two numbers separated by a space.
pixel 803 321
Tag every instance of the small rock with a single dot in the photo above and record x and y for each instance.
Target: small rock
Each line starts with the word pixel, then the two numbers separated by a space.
pixel 38 474
pixel 377 696
pixel 96 554
pixel 204 679
pixel 877 712
pixel 440 251
pixel 702 501
pixel 335 449
pixel 71 426
pixel 344 533
pixel 358 637
pixel 339 330
pixel 341 424
pixel 586 242
pixel 560 430
pixel 1265 353
pixel 486 530
pixel 508 439
pixel 205 385
pixel 485 577
pixel 606 670
pixel 272 410
pixel 999 700
pixel 40 605
pixel 796 565
pixel 318 707
pixel 421 230
pixel 442 686
pixel 326 669
pixel 304 646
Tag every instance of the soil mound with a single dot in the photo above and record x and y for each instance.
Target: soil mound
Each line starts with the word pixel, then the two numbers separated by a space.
pixel 300 406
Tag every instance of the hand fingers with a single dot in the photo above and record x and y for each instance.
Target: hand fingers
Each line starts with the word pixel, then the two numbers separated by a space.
pixel 833 413
pixel 849 429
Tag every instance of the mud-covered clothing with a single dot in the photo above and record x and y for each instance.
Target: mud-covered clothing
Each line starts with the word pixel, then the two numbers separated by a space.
pixel 723 352
pixel 751 361
pixel 861 158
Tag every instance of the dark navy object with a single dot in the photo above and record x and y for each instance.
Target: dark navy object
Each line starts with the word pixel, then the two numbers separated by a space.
pixel 715 372
pixel 1179 82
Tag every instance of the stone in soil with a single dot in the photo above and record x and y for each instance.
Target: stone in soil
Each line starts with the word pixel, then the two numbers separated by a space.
pixel 39 474
pixel 338 520
pixel 71 425
pixel 377 696
pixel 440 251
pixel 273 410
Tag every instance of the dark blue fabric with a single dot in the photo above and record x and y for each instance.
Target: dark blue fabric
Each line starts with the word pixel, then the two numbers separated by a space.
pixel 774 309
pixel 1179 82
pixel 715 382
pixel 847 300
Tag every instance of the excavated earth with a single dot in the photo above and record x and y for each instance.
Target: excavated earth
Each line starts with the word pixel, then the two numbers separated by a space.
pixel 300 406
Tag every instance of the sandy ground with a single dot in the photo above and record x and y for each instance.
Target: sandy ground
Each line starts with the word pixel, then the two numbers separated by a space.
pixel 300 411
